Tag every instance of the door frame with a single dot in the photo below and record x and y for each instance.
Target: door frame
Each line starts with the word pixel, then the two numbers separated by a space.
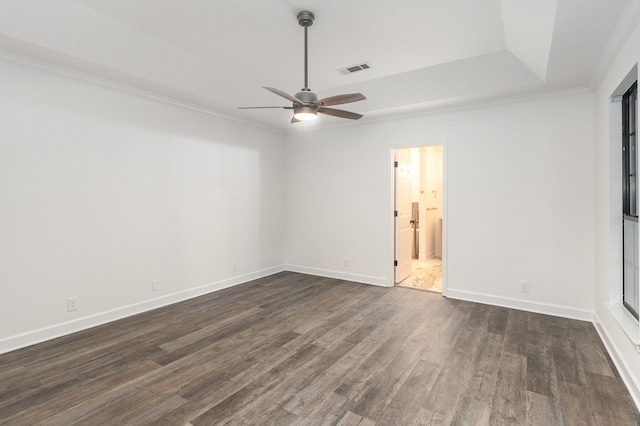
pixel 445 208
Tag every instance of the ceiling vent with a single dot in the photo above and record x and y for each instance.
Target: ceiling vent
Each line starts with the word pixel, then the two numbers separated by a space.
pixel 354 68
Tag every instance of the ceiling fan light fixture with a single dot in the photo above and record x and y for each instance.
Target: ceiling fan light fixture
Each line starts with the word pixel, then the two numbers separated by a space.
pixel 305 113
pixel 305 104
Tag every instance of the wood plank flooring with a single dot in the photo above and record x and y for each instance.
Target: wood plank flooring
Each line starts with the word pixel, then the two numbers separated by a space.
pixel 293 349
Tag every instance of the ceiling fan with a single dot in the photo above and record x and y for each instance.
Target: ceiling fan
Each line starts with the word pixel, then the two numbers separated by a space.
pixel 306 104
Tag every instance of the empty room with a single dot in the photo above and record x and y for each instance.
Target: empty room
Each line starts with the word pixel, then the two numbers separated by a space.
pixel 292 212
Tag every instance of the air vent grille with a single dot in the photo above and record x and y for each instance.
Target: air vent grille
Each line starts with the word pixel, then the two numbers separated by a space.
pixel 354 68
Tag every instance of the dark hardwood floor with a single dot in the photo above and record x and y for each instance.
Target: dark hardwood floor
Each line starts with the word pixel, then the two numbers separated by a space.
pixel 297 349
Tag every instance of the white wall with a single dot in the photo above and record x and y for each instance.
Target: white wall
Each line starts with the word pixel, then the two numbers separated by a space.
pixel 608 279
pixel 519 178
pixel 103 191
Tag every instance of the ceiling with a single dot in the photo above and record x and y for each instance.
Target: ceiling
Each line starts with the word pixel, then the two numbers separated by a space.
pixel 217 55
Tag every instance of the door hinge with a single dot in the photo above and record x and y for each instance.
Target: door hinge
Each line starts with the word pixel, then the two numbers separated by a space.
pixel 395 263
pixel 395 213
pixel 395 164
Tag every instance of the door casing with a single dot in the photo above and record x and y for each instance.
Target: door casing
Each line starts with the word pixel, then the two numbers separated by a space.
pixel 445 209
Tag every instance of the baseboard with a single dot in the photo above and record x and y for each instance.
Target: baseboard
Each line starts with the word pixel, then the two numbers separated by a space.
pixel 523 305
pixel 633 386
pixel 47 333
pixel 365 279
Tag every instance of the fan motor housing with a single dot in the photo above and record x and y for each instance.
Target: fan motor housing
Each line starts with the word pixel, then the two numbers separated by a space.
pixel 307 97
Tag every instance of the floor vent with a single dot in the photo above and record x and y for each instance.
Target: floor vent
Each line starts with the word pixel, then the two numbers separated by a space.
pixel 354 68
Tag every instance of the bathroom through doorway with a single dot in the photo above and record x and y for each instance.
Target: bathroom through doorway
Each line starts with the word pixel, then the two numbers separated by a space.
pixel 419 199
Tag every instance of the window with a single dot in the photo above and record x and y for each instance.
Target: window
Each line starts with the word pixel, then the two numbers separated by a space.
pixel 630 252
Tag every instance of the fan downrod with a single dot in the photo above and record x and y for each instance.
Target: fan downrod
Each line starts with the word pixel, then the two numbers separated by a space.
pixel 305 18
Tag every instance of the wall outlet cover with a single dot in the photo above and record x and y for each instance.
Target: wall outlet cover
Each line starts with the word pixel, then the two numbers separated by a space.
pixel 72 304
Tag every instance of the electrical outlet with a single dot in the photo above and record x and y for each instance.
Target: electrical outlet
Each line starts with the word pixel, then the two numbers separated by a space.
pixel 235 266
pixel 72 304
pixel 155 285
pixel 524 286
pixel 346 262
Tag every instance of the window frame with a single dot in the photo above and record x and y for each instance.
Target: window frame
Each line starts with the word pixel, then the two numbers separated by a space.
pixel 629 177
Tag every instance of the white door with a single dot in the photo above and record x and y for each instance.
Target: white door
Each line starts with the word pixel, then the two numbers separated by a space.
pixel 403 214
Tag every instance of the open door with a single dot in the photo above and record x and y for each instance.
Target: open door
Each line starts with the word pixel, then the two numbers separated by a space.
pixel 403 230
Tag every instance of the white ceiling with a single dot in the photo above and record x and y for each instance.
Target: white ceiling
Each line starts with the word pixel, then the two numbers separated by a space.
pixel 216 54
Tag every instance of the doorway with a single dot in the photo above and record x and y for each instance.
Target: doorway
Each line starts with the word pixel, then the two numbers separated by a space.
pixel 419 216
